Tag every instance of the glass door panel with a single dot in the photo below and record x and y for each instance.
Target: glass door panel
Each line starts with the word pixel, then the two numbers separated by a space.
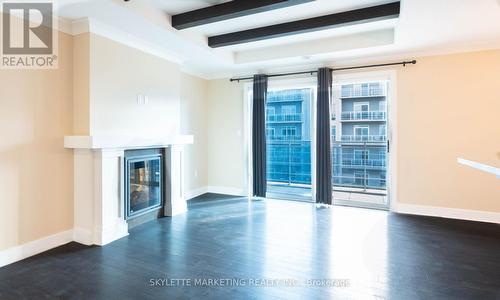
pixel 288 137
pixel 359 144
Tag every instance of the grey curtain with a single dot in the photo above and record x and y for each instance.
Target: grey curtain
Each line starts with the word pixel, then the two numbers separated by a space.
pixel 259 135
pixel 323 147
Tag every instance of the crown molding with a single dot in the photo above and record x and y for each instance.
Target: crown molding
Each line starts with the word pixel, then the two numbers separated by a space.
pixel 88 25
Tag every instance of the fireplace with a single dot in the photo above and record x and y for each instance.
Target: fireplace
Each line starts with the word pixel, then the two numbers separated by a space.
pixel 144 188
pixel 100 216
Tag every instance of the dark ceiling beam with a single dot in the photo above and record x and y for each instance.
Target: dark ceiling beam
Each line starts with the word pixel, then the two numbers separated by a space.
pixel 229 10
pixel 352 17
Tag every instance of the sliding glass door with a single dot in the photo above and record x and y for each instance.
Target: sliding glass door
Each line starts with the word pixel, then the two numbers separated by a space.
pixel 359 144
pixel 288 137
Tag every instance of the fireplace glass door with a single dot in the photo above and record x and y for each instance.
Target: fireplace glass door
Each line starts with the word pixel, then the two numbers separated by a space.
pixel 144 188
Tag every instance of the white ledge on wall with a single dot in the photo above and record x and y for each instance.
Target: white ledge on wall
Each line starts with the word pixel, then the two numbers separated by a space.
pixel 124 142
pixel 492 167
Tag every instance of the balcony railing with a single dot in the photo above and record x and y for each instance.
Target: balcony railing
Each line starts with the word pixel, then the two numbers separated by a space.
pixel 283 138
pixel 364 116
pixel 372 164
pixel 357 182
pixel 364 138
pixel 284 118
pixel 285 97
pixel 289 162
pixel 363 90
pixel 361 166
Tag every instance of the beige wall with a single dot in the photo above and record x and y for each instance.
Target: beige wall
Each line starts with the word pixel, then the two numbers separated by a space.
pixel 177 101
pixel 225 135
pixel 194 119
pixel 118 74
pixel 36 172
pixel 81 84
pixel 93 91
pixel 448 107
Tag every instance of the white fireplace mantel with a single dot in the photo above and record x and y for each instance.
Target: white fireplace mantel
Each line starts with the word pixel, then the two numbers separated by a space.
pixel 99 216
pixel 123 142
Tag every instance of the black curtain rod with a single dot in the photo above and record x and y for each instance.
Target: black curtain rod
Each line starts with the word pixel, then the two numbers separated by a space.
pixel 403 63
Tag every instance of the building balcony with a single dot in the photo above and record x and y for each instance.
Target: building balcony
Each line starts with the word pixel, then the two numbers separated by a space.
pixel 369 164
pixel 286 98
pixel 284 139
pixel 284 118
pixel 364 138
pixel 365 182
pixel 289 162
pixel 363 90
pixel 364 116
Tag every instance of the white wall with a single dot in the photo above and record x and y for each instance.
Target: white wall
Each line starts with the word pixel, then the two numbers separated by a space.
pixel 194 120
pixel 226 147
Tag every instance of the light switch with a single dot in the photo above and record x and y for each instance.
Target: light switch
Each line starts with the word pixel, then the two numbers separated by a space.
pixel 141 99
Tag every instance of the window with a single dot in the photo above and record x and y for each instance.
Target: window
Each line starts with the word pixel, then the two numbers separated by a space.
pixel 359 178
pixel 361 131
pixel 270 133
pixel 382 180
pixel 288 109
pixel 361 106
pixel 361 154
pixel 382 130
pixel 288 148
pixel 270 110
pixel 289 132
pixel 383 106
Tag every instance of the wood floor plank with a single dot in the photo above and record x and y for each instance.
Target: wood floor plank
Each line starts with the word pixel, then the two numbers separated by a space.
pixel 383 255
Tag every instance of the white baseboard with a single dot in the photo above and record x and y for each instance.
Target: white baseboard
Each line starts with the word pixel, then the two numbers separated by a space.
pixel 83 236
pixel 17 253
pixel 195 193
pixel 445 212
pixel 215 190
pixel 227 191
pixel 111 232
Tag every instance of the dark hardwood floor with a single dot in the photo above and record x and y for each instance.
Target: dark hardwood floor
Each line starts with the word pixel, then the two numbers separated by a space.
pixel 382 255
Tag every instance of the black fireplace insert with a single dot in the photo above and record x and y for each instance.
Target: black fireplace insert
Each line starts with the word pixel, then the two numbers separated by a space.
pixel 143 181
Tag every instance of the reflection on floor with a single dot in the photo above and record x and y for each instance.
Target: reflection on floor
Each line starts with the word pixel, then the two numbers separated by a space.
pixel 289 192
pixel 360 197
pixel 377 254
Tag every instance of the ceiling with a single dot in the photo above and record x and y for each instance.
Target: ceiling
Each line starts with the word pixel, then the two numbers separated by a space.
pixel 424 27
